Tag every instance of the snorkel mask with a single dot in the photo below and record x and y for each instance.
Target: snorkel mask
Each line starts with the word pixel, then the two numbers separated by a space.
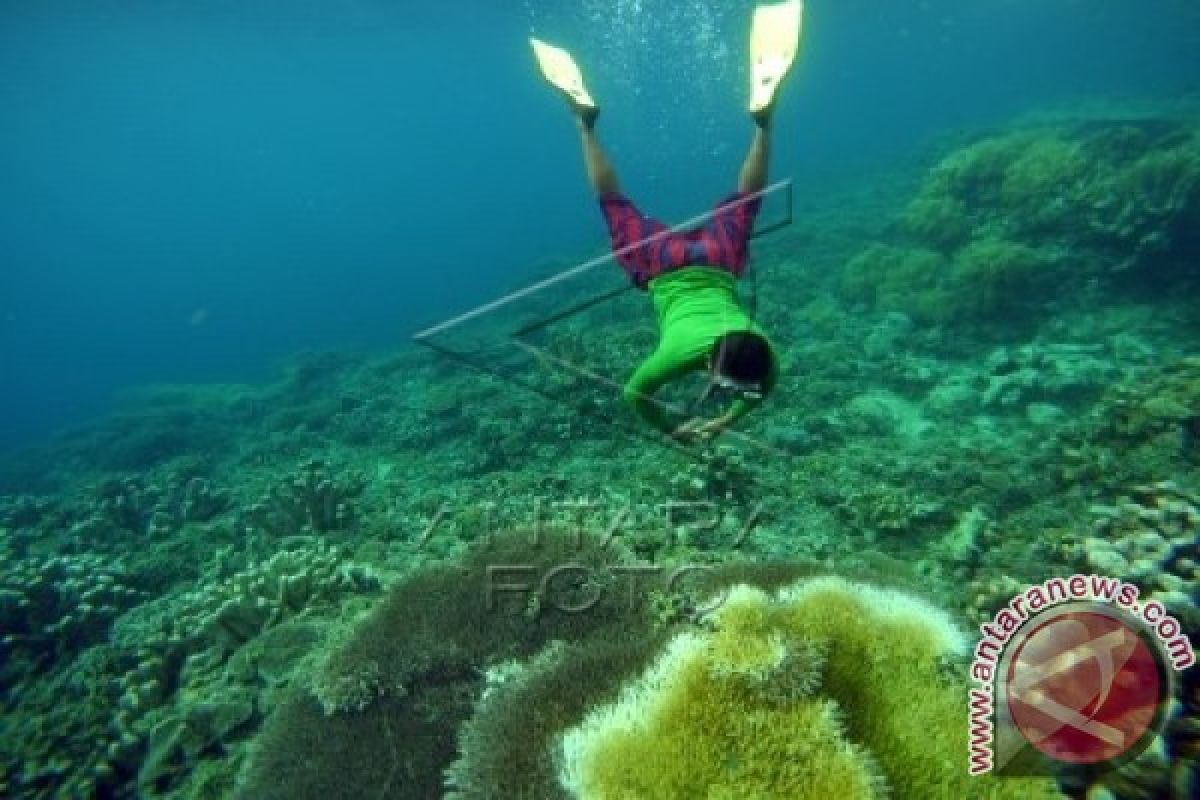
pixel 750 391
pixel 723 384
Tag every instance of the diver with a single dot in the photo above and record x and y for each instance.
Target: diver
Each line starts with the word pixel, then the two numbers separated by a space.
pixel 690 275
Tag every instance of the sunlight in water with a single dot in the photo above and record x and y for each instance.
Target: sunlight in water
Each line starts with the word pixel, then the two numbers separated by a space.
pixel 691 52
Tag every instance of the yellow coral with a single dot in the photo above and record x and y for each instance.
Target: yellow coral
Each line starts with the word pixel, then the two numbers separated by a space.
pixel 867 712
pixel 730 745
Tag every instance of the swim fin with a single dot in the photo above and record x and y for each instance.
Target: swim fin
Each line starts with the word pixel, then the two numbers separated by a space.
pixel 774 40
pixel 561 71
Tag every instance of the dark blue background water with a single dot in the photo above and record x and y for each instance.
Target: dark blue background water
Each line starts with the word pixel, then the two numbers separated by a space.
pixel 192 191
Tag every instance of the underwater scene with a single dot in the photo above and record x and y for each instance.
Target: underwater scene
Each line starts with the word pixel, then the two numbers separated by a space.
pixel 605 400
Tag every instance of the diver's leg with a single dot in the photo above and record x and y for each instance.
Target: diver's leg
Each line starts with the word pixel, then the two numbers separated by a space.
pixel 726 235
pixel 753 177
pixel 600 172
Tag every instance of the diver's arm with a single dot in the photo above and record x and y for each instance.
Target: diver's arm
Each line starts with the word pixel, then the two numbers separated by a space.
pixel 654 373
pixel 707 429
pixel 650 410
pixel 738 409
pixel 642 400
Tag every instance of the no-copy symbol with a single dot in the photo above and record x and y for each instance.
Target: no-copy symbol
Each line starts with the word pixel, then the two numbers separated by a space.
pixel 1084 687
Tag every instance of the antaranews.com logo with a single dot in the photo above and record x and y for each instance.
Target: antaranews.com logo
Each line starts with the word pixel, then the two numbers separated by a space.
pixel 1072 671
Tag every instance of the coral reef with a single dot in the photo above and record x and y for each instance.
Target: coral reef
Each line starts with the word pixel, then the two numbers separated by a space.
pixel 520 680
pixel 1169 768
pixel 189 643
pixel 1047 373
pixel 289 583
pixel 24 510
pixel 1002 227
pixel 889 510
pixel 532 702
pixel 410 670
pixel 145 508
pixel 490 600
pixel 192 585
pixel 166 695
pixel 829 689
pixel 53 606
pixel 1136 432
pixel 314 499
pixel 1152 539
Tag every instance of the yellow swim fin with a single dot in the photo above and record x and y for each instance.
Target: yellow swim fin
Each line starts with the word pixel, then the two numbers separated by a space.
pixel 774 40
pixel 561 71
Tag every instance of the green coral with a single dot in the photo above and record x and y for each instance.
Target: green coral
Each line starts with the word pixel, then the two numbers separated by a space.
pixel 989 276
pixel 1026 216
pixel 829 689
pixel 504 747
pixel 1043 179
pixel 410 670
pixel 937 217
pixel 1148 203
pixel 992 276
pixel 885 276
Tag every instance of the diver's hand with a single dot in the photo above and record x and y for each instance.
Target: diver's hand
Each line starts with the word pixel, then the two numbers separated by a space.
pixel 687 432
pixel 700 430
pixel 713 427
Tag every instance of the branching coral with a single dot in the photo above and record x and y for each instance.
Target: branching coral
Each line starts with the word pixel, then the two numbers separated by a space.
pixel 178 644
pixel 144 507
pixel 314 499
pixel 54 605
pixel 289 583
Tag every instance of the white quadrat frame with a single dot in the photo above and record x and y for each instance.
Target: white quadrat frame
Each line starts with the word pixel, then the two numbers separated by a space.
pixel 518 337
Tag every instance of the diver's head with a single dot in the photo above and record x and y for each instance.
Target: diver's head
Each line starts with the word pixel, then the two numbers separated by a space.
pixel 740 361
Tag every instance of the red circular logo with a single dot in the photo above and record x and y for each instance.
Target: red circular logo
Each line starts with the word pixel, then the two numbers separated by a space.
pixel 1084 687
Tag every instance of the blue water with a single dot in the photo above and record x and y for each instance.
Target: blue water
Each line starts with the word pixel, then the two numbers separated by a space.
pixel 192 191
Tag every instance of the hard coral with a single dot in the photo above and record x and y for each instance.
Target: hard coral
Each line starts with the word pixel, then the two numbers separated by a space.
pixel 313 499
pixel 864 710
pixel 1137 432
pixel 409 671
pixel 53 606
pixel 1024 216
